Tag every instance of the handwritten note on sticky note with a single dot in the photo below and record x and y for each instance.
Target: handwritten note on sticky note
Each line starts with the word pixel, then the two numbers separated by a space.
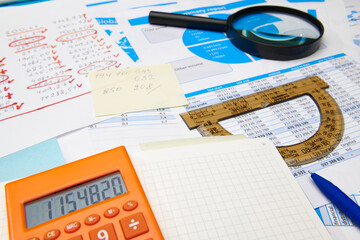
pixel 135 89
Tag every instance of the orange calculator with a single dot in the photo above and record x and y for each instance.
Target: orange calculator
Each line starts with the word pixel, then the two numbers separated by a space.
pixel 96 198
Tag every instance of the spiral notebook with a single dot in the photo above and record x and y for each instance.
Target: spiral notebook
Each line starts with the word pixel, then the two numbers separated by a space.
pixel 240 189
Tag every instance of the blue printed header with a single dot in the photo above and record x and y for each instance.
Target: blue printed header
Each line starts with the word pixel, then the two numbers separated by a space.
pixel 106 21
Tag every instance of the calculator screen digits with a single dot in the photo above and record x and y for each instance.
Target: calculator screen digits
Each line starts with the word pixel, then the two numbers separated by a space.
pixel 71 199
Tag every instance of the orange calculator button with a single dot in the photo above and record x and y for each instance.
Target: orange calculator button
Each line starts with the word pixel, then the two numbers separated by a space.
pixel 92 219
pixel 111 212
pixel 33 238
pixel 105 232
pixel 76 238
pixel 52 234
pixel 72 227
pixel 134 225
pixel 130 205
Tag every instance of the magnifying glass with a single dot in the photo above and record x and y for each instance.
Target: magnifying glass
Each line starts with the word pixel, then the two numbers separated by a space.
pixel 270 32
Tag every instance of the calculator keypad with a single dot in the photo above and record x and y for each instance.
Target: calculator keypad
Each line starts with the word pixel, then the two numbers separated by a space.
pixel 92 219
pixel 76 238
pixel 132 226
pixel 52 234
pixel 72 227
pixel 104 232
pixel 111 212
pixel 130 205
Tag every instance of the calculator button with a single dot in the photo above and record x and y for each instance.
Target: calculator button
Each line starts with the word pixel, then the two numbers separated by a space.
pixel 76 238
pixel 33 238
pixel 92 219
pixel 130 205
pixel 111 212
pixel 134 225
pixel 52 234
pixel 72 227
pixel 105 232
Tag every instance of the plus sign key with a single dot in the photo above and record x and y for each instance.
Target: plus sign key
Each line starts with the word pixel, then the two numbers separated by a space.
pixel 134 225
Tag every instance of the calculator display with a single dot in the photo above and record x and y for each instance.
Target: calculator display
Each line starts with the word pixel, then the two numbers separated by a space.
pixel 71 199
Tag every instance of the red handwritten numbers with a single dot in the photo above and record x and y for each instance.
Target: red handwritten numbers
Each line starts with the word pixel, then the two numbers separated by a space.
pixel 7 103
pixel 76 35
pixel 101 43
pixel 27 42
pixel 56 58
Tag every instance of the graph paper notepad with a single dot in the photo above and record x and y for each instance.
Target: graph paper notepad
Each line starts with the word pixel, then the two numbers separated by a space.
pixel 239 189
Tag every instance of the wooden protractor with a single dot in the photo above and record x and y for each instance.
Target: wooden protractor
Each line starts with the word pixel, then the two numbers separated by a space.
pixel 325 140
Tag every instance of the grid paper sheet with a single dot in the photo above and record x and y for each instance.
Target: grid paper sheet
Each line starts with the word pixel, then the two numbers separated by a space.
pixel 239 189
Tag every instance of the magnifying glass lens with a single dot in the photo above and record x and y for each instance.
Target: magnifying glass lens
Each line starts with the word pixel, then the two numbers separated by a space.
pixel 276 28
pixel 271 32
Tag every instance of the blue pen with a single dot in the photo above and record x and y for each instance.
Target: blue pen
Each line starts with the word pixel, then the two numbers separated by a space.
pixel 338 198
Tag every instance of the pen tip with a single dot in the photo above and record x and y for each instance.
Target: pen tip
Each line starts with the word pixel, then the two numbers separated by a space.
pixel 310 172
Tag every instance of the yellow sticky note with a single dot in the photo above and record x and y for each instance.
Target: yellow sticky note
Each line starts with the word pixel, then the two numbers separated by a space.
pixel 135 89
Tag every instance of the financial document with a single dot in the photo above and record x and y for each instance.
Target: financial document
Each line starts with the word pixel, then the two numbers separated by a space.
pixel 211 70
pixel 45 58
pixel 210 73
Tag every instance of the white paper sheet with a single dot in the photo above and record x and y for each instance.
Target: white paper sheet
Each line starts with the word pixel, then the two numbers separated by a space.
pixel 47 51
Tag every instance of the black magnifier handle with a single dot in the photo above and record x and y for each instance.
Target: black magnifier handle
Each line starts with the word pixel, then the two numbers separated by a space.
pixel 187 21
